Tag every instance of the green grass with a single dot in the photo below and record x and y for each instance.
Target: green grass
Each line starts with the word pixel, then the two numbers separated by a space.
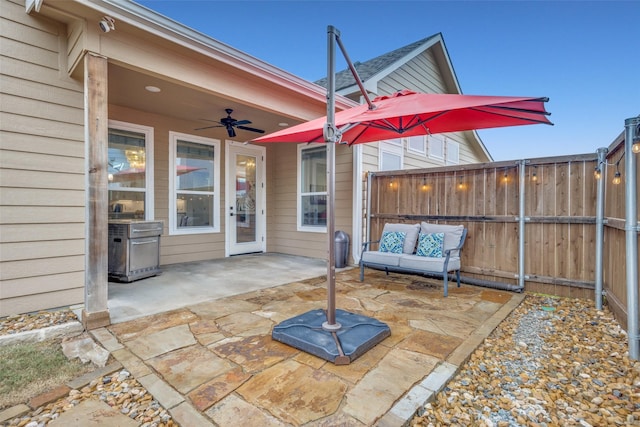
pixel 29 369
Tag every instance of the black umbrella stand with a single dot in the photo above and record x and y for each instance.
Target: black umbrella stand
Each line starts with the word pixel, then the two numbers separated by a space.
pixel 334 335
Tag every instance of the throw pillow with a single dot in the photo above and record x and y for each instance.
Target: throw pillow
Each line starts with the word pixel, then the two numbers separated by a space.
pixel 430 245
pixel 392 241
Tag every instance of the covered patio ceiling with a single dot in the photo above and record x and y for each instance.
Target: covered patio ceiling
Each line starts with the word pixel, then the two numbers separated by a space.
pixel 127 88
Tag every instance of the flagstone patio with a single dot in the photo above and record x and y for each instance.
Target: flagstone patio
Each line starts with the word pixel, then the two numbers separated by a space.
pixel 214 363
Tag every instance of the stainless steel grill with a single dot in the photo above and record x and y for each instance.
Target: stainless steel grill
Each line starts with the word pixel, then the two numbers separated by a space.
pixel 134 249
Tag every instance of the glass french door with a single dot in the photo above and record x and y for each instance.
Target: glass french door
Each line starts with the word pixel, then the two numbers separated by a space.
pixel 245 199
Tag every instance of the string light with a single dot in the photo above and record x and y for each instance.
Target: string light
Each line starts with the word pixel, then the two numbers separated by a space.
pixel 534 175
pixel 460 183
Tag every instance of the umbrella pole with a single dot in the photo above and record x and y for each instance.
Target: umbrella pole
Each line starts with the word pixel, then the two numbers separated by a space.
pixel 330 136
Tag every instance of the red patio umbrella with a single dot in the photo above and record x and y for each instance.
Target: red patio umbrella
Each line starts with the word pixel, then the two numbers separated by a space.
pixel 408 113
pixel 345 336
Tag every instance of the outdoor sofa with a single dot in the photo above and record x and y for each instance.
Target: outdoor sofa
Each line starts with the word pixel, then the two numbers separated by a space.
pixel 426 249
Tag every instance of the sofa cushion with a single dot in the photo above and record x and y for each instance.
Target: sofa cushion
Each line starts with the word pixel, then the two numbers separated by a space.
pixel 452 234
pixel 392 241
pixel 430 245
pixel 378 257
pixel 426 264
pixel 411 236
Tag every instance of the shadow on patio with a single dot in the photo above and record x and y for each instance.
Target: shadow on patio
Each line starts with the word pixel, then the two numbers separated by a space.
pixel 215 361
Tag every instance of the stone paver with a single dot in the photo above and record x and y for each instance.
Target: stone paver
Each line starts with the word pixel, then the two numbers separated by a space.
pixel 215 390
pixel 161 342
pixel 147 325
pixel 294 392
pixel 132 363
pixel 374 395
pixel 13 411
pixel 186 415
pixel 93 413
pixel 189 367
pixel 78 383
pixel 49 396
pixel 254 353
pixel 106 339
pixel 426 342
pixel 215 362
pixel 232 409
pixel 161 391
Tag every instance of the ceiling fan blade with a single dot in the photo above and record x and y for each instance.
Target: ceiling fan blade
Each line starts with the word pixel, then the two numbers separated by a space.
pixel 241 122
pixel 209 127
pixel 250 129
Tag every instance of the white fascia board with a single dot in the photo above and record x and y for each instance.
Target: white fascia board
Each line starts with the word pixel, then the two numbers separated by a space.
pixel 173 31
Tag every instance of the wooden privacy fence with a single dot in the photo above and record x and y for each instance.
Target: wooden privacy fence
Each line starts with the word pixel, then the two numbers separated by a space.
pixel 559 210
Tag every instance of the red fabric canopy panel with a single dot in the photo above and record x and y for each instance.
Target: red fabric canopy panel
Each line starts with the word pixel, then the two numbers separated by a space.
pixel 408 113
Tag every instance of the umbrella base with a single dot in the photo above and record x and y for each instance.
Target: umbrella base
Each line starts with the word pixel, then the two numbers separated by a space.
pixel 356 336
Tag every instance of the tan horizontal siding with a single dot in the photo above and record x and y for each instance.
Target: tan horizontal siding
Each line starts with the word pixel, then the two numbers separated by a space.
pixel 36 302
pixel 19 178
pixel 40 215
pixel 13 288
pixel 27 197
pixel 13 85
pixel 41 249
pixel 41 168
pixel 41 232
pixel 41 126
pixel 37 144
pixel 41 162
pixel 40 267
pixel 29 54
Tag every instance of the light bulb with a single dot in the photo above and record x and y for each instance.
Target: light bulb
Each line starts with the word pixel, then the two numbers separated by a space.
pixel 616 178
pixel 636 147
pixel 597 173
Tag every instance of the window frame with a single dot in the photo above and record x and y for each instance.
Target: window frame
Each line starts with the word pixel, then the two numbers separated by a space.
pixel 393 147
pixel 449 152
pixel 174 137
pixel 422 152
pixel 442 140
pixel 299 194
pixel 148 132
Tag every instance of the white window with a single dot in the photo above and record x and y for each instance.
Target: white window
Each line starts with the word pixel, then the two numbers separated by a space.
pixel 436 147
pixel 391 155
pixel 453 152
pixel 417 144
pixel 312 187
pixel 194 184
pixel 130 169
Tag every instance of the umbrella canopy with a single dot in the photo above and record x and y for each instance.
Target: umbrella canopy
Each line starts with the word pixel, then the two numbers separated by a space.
pixel 408 113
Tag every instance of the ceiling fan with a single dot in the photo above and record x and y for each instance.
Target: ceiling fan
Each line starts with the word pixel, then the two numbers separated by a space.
pixel 230 123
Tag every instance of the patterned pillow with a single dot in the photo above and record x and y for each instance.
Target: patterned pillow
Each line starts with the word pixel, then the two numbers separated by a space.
pixel 430 245
pixel 392 241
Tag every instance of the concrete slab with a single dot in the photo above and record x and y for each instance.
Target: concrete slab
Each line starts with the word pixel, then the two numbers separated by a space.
pixel 181 285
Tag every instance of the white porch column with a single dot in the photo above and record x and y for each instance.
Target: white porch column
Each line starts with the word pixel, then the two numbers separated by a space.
pixel 96 311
